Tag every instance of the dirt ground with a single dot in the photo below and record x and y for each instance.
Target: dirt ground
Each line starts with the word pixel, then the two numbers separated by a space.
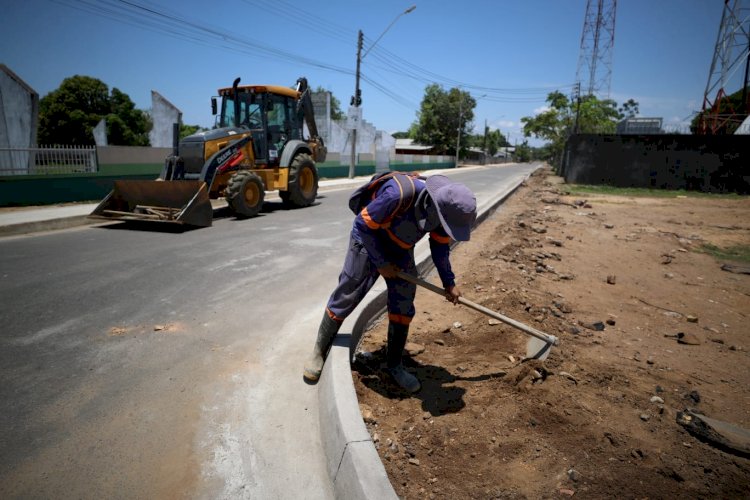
pixel 598 418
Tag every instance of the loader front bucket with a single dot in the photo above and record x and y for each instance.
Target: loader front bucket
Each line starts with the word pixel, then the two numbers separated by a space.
pixel 175 202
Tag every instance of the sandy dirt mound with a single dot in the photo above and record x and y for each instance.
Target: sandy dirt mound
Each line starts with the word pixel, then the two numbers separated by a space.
pixel 649 326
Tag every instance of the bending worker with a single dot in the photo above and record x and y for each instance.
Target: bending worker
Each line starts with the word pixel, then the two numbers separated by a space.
pixel 396 212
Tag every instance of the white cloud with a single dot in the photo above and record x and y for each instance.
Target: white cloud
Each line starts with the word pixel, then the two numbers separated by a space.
pixel 541 110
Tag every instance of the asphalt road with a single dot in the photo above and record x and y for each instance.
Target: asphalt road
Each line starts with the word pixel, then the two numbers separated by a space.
pixel 142 363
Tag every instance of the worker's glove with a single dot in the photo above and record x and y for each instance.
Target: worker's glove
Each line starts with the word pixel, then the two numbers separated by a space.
pixel 389 271
pixel 452 293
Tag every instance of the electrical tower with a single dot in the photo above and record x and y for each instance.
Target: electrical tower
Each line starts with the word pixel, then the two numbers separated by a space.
pixel 594 72
pixel 732 53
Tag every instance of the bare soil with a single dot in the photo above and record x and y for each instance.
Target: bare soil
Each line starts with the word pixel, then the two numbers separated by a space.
pixel 598 417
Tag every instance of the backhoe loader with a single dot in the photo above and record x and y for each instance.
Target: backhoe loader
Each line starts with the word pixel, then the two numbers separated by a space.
pixel 258 145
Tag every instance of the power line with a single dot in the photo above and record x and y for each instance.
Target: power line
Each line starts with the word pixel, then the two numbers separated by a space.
pixel 152 17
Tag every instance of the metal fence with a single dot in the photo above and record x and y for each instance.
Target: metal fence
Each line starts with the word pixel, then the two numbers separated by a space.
pixel 46 160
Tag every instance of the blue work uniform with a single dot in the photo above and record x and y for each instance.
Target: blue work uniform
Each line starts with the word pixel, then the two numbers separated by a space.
pixel 378 238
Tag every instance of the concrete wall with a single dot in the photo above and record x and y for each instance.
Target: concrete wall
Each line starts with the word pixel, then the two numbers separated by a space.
pixel 164 115
pixel 696 162
pixel 19 114
pixel 115 162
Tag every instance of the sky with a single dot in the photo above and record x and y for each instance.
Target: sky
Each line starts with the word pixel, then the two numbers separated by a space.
pixel 509 54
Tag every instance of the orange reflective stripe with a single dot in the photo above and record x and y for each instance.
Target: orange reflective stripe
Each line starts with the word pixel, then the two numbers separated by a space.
pixel 333 316
pixel 368 220
pixel 440 238
pixel 399 319
pixel 398 242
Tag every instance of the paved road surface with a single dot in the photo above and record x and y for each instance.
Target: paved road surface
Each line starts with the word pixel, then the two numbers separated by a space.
pixel 141 363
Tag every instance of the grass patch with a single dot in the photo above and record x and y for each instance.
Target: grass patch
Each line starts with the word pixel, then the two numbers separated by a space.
pixel 578 189
pixel 736 253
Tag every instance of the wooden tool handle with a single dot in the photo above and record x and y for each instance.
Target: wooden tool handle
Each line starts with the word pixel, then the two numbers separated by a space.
pixel 550 339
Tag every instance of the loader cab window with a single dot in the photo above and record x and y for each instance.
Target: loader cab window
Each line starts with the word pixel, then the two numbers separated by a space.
pixel 280 127
pixel 250 111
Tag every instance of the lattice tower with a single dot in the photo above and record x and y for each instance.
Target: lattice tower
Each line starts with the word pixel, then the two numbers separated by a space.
pixel 594 72
pixel 729 70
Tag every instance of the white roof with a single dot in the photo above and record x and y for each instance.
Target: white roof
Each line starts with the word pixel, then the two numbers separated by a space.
pixel 410 144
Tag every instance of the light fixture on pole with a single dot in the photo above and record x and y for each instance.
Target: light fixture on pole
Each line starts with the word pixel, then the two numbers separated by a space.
pixel 357 97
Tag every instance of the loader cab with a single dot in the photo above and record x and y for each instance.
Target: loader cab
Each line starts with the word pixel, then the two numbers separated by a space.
pixel 272 119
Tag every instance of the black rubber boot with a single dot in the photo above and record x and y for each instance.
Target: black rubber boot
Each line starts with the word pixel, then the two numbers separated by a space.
pixel 327 331
pixel 396 341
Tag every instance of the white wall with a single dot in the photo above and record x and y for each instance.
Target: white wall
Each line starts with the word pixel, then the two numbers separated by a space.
pixel 19 115
pixel 164 115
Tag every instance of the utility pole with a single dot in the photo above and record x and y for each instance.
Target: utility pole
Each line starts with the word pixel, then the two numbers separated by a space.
pixel 356 101
pixel 484 145
pixel 357 97
pixel 578 106
pixel 460 115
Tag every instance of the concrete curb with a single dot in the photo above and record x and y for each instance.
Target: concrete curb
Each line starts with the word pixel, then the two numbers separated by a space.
pixel 353 464
pixel 45 225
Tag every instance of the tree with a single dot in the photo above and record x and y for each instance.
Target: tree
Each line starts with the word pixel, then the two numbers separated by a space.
pixel 731 113
pixel 523 152
pixel 186 130
pixel 69 114
pixel 127 125
pixel 629 109
pixel 441 115
pixel 564 116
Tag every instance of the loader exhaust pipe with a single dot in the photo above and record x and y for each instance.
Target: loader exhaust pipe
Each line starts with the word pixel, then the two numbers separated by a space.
pixel 236 98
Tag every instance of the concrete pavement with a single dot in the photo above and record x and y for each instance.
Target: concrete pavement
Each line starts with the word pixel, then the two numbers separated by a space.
pixel 352 461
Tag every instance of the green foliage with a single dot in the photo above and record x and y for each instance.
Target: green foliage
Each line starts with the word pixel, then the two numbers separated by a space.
pixel 648 192
pixel 186 130
pixel 524 152
pixel 400 135
pixel 564 116
pixel 732 112
pixel 69 114
pixel 126 125
pixel 737 253
pixel 629 109
pixel 440 117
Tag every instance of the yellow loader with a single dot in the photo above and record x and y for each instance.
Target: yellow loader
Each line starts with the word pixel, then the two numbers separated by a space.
pixel 259 145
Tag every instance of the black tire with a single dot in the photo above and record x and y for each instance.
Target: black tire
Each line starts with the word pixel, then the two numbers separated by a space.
pixel 244 193
pixel 303 182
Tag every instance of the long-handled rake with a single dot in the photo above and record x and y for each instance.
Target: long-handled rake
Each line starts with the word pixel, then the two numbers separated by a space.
pixel 538 346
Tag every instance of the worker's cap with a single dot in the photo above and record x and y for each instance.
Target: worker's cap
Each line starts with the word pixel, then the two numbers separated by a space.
pixel 456 206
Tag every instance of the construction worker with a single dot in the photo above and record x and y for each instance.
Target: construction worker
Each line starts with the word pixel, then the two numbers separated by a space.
pixel 394 217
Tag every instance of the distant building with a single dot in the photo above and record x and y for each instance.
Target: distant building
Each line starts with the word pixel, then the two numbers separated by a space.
pixel 639 126
pixel 409 147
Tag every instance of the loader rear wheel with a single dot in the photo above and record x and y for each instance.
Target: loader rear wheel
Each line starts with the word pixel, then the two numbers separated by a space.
pixel 245 192
pixel 303 182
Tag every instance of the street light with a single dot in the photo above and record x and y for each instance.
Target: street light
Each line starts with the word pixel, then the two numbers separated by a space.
pixel 357 97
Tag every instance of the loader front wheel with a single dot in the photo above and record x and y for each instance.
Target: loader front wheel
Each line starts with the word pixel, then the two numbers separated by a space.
pixel 303 182
pixel 245 193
